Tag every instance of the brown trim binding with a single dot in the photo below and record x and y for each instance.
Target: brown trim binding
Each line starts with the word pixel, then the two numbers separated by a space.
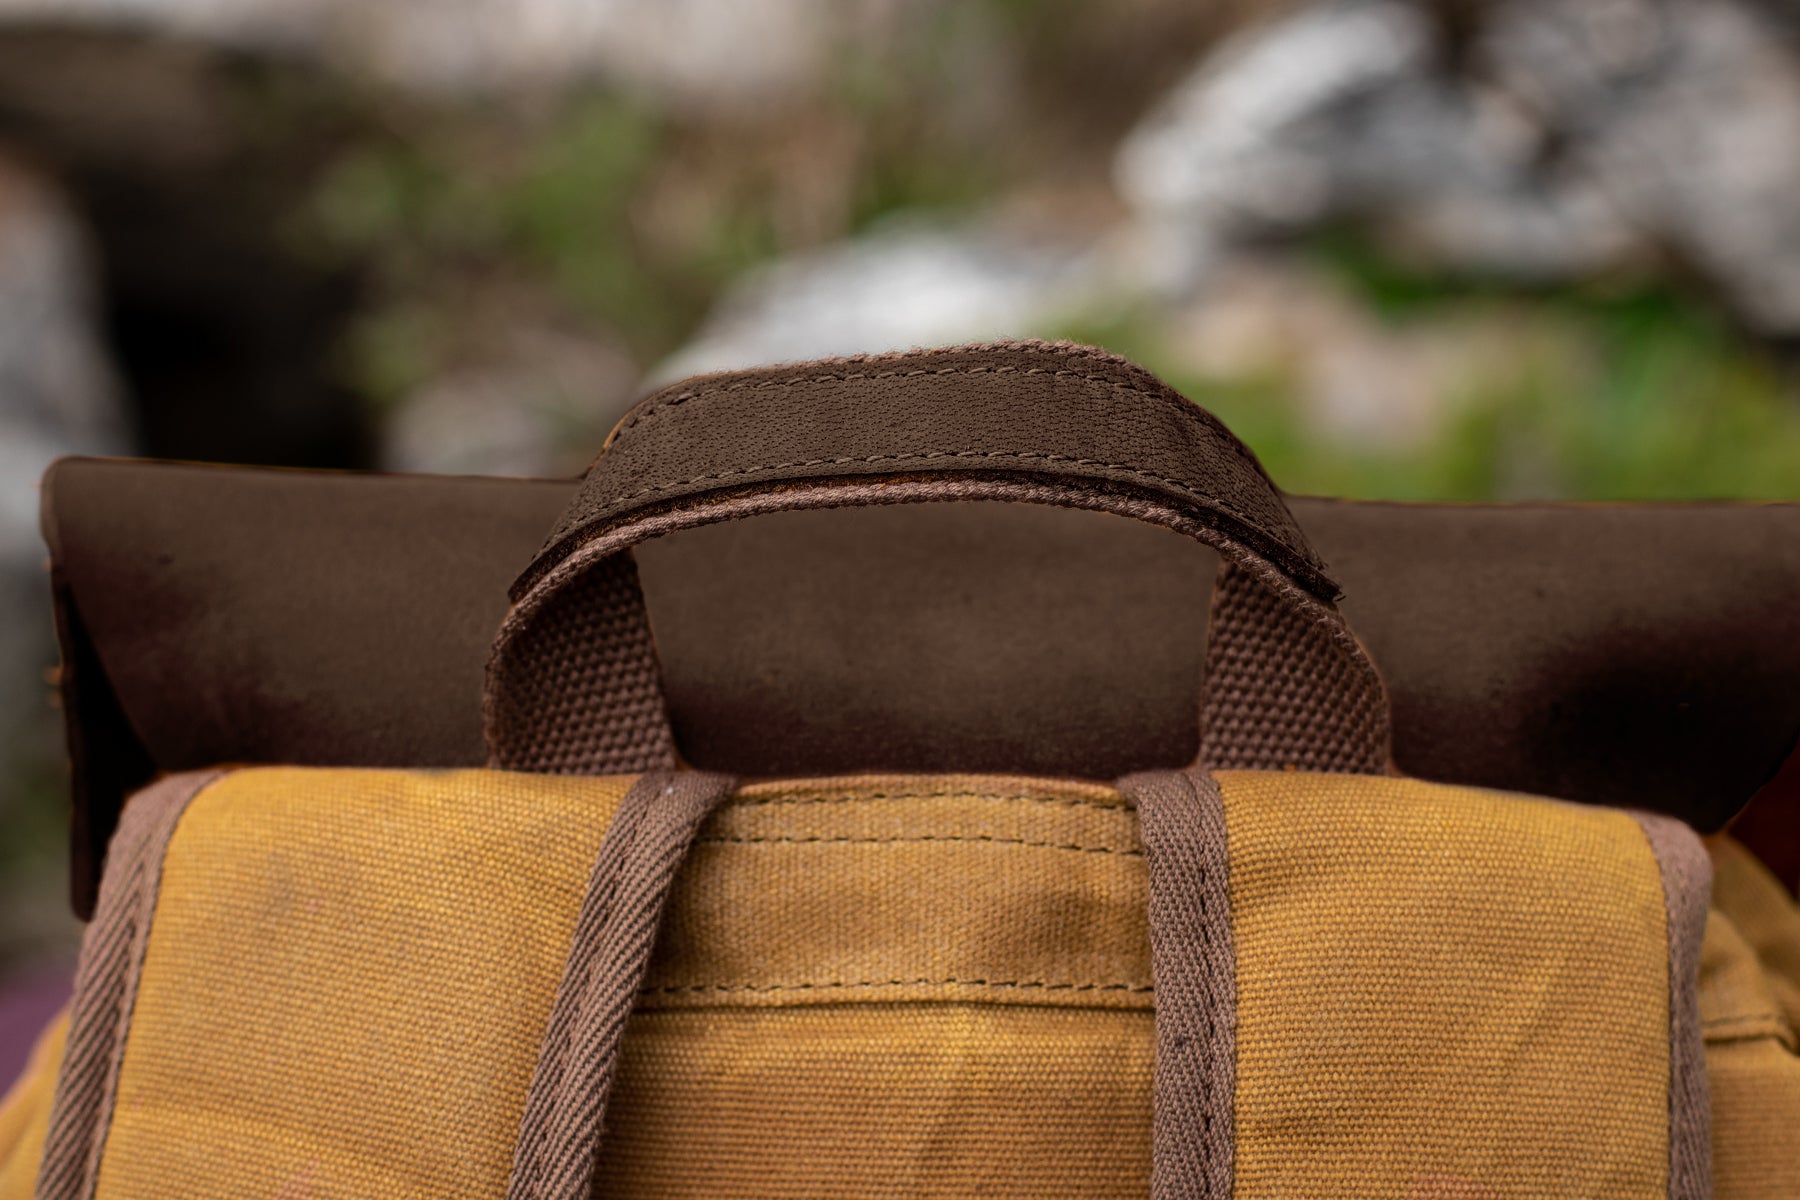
pixel 112 958
pixel 559 1134
pixel 1182 816
pixel 1687 891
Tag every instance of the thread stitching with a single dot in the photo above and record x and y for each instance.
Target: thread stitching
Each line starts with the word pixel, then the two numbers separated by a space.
pixel 834 985
pixel 892 841
pixel 657 406
pixel 1162 395
pixel 925 455
pixel 854 798
pixel 1762 1018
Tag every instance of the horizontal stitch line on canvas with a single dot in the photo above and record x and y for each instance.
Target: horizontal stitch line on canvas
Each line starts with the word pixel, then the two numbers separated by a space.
pixel 952 794
pixel 897 841
pixel 1018 984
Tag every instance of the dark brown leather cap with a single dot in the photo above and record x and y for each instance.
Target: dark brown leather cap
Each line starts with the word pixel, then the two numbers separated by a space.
pixel 1644 655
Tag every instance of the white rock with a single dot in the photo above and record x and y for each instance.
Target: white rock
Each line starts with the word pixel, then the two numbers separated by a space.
pixel 708 53
pixel 57 391
pixel 905 286
pixel 542 408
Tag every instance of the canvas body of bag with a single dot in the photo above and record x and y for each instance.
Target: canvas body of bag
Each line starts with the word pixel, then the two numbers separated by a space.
pixel 1283 970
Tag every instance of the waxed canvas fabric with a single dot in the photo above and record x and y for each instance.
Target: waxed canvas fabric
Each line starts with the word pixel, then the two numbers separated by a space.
pixel 1452 975
pixel 919 986
pixel 1749 993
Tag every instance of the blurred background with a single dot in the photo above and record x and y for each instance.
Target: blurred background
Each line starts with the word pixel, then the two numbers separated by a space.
pixel 1419 249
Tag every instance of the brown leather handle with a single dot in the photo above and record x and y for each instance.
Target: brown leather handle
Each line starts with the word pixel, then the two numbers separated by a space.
pixel 1028 411
pixel 572 684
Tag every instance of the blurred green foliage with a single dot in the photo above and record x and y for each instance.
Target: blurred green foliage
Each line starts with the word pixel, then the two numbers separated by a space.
pixel 1612 391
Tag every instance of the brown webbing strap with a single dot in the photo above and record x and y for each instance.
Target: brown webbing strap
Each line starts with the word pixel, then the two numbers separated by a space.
pixel 559 1134
pixel 1182 819
pixel 588 697
pixel 112 954
pixel 1285 689
pixel 1687 892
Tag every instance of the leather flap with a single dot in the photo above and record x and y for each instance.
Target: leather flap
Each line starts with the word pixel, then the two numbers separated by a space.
pixel 1640 655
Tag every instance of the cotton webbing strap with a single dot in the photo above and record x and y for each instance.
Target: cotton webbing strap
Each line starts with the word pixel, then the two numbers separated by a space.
pixel 1181 816
pixel 1183 828
pixel 559 1135
pixel 1286 687
pixel 112 958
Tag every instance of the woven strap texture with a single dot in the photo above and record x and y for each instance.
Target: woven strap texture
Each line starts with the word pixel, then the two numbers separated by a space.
pixel 1183 821
pixel 565 1110
pixel 1285 689
pixel 1183 827
pixel 112 952
pixel 1022 422
pixel 598 648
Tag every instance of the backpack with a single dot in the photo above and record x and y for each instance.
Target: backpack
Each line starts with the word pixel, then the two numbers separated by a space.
pixel 737 911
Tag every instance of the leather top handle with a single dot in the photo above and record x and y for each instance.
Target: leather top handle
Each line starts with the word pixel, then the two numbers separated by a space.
pixel 573 684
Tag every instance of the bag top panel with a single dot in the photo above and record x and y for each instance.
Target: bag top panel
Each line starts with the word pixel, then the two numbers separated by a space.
pixel 1646 655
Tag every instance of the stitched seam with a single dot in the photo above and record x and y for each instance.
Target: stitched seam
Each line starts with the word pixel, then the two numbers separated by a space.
pixel 918 455
pixel 1020 984
pixel 658 406
pixel 1188 408
pixel 848 798
pixel 895 841
pixel 1762 1018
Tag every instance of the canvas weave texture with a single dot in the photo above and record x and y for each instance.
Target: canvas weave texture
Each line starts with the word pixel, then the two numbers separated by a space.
pixel 1444 988
pixel 1749 985
pixel 895 986
pixel 347 981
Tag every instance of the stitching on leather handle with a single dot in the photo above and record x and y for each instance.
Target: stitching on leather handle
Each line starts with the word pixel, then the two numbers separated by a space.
pixel 916 455
pixel 1161 393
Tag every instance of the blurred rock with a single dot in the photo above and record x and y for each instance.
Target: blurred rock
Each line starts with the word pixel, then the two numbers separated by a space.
pixel 57 396
pixel 1569 137
pixel 691 52
pixel 541 409
pixel 897 288
pixel 1685 114
pixel 57 392
pixel 1359 382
